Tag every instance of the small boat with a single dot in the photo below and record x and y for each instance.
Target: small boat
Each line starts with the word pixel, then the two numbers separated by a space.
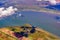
pixel 20 15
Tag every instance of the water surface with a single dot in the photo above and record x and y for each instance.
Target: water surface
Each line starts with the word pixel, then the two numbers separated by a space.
pixel 43 20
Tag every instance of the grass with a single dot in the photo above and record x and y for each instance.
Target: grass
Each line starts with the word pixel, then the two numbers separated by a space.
pixel 32 36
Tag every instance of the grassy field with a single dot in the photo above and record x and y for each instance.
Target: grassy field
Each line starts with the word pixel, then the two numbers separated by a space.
pixel 7 33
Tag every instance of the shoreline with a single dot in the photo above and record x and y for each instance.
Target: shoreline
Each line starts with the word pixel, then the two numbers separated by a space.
pixel 48 33
pixel 44 32
pixel 47 11
pixel 36 8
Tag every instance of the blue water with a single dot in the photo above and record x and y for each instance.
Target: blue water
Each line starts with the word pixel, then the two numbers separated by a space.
pixel 43 20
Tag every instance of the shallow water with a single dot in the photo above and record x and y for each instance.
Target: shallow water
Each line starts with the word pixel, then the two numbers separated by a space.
pixel 44 20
